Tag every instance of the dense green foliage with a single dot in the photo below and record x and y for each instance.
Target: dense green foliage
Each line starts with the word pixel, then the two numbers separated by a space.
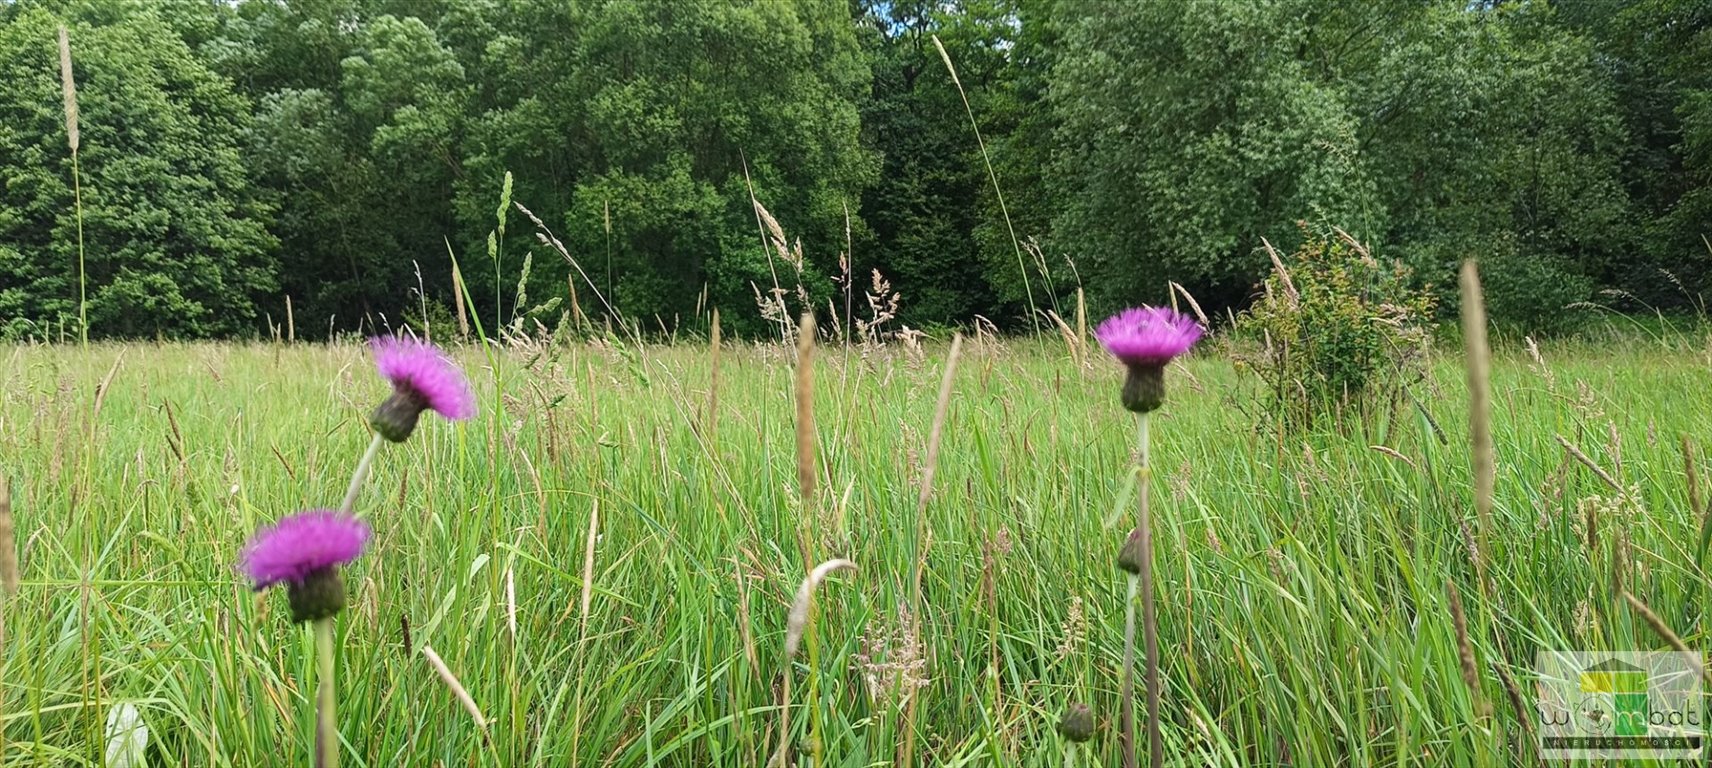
pixel 343 152
pixel 176 231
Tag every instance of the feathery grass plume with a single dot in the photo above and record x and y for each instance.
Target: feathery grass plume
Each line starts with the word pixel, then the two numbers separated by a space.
pixel 1145 340
pixel 1392 452
pixel 1081 318
pixel 805 410
pixel 1072 343
pixel 993 176
pixel 457 687
pixel 1479 362
pixel 8 542
pixel 1195 306
pixel 1695 506
pixel 68 89
pixel 1283 274
pixel 1465 650
pixel 290 322
pixel 127 737
pixel 588 564
pixel 796 626
pixel 1524 712
pixel 458 303
pixel 713 342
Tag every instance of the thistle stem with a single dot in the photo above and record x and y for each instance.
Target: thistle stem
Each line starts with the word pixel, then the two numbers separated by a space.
pixel 1069 754
pixel 327 722
pixel 1127 738
pixel 361 474
pixel 1149 621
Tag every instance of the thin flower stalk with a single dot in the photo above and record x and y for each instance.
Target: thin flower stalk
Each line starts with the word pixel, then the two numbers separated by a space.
pixel 1145 340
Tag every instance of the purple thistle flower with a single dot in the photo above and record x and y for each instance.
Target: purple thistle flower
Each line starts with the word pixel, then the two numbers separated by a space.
pixel 1145 339
pixel 422 378
pixel 1148 335
pixel 298 546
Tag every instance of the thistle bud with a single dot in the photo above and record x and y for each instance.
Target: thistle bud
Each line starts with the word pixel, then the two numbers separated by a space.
pixel 395 418
pixel 1077 724
pixel 1132 554
pixel 422 379
pixel 1144 387
pixel 320 595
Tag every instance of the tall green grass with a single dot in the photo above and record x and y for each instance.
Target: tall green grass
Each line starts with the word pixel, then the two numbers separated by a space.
pixel 1303 609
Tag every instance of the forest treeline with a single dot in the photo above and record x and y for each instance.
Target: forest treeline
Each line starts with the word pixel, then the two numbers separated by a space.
pixel 234 153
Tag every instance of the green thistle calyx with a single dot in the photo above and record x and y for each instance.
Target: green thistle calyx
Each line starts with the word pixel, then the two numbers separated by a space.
pixel 1131 555
pixel 1144 387
pixel 1077 724
pixel 395 418
pixel 320 595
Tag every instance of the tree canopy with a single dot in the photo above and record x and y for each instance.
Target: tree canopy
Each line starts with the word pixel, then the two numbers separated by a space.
pixel 699 153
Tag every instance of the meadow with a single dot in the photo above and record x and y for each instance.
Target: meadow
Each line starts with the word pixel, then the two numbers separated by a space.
pixel 1303 580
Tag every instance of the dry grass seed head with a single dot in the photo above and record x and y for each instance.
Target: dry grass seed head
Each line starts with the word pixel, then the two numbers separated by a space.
pixel 891 659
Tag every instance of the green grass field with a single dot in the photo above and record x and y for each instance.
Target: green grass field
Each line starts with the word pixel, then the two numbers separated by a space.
pixel 1304 616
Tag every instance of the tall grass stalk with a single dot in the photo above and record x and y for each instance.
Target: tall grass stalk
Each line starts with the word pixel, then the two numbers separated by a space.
pixel 68 89
pixel 1665 633
pixel 806 462
pixel 8 575
pixel 1479 366
pixel 711 418
pixel 923 532
pixel 1016 244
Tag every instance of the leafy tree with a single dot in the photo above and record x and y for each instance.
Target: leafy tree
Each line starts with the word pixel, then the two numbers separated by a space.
pixel 1659 56
pixel 1502 141
pixel 361 158
pixel 1190 131
pixel 1439 131
pixel 662 119
pixel 923 208
pixel 176 237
